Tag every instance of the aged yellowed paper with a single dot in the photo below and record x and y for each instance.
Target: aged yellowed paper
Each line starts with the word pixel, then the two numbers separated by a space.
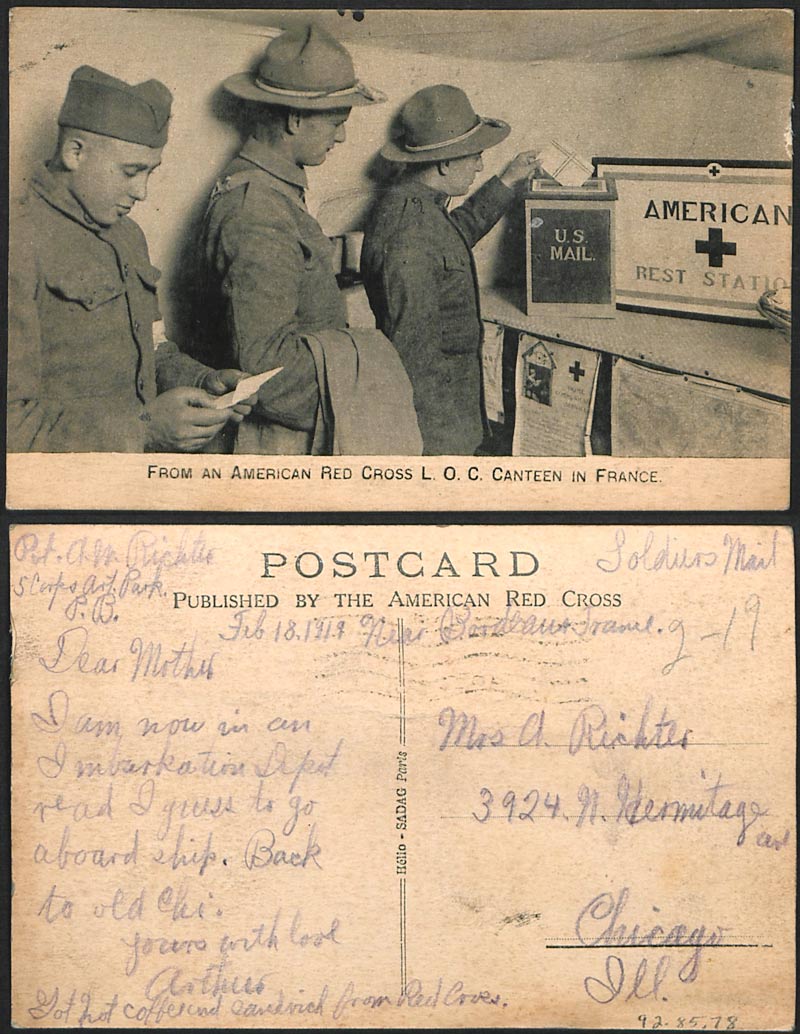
pixel 571 293
pixel 403 777
pixel 391 483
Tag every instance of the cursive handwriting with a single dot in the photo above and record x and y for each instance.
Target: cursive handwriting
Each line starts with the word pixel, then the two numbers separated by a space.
pixel 457 624
pixel 636 807
pixel 665 552
pixel 665 555
pixel 378 632
pixel 72 654
pixel 740 557
pixel 600 922
pixel 151 660
pixel 590 730
pixel 147 548
pixel 647 980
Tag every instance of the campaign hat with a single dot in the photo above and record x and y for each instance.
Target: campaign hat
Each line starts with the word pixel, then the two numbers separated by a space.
pixel 100 103
pixel 439 122
pixel 304 68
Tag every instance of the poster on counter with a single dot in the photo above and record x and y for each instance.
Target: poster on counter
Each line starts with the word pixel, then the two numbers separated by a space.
pixel 682 410
pixel 492 362
pixel 555 385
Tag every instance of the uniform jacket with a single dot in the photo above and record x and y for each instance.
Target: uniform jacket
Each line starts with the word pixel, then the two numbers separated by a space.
pixel 366 403
pixel 82 303
pixel 269 279
pixel 420 278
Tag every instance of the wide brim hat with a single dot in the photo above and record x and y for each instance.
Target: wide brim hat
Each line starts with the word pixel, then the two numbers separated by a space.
pixel 438 123
pixel 304 68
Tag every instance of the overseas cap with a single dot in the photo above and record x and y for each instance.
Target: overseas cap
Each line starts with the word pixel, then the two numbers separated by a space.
pixel 99 103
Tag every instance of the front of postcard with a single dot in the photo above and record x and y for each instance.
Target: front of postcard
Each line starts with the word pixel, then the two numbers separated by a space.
pixel 403 777
pixel 475 260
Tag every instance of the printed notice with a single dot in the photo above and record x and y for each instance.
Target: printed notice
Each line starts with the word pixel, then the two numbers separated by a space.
pixel 396 777
pixel 555 398
pixel 492 366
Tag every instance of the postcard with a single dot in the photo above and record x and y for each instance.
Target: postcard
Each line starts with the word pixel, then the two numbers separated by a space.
pixel 390 239
pixel 395 777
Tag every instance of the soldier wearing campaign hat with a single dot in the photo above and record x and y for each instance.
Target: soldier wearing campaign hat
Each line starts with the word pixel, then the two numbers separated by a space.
pixel 417 260
pixel 83 375
pixel 268 267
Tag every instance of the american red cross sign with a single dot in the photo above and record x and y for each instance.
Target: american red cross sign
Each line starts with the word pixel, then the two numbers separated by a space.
pixel 700 237
pixel 715 247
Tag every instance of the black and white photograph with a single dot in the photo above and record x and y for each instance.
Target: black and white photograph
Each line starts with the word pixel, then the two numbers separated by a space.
pixel 242 241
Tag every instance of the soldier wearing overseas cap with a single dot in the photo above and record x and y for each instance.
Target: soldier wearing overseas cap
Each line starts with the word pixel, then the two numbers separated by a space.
pixel 417 260
pixel 83 375
pixel 268 267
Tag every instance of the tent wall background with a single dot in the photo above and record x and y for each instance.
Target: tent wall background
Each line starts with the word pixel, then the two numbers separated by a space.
pixel 549 83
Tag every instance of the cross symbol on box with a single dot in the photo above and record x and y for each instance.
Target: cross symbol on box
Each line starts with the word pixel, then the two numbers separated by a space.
pixel 714 170
pixel 715 247
pixel 577 371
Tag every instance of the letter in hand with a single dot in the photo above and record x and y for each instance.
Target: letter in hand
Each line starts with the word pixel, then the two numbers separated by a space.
pixel 525 165
pixel 182 420
pixel 220 382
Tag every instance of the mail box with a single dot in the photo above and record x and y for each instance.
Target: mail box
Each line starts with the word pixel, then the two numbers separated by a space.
pixel 569 240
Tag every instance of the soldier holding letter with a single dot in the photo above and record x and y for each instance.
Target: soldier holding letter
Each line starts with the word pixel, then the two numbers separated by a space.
pixel 83 373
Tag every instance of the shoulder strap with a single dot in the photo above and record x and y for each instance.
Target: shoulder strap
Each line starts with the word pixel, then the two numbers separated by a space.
pixel 229 183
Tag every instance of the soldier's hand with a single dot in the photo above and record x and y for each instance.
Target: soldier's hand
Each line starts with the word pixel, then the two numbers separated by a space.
pixel 524 166
pixel 220 382
pixel 181 420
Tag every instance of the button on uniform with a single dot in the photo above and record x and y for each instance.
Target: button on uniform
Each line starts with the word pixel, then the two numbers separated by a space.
pixel 84 295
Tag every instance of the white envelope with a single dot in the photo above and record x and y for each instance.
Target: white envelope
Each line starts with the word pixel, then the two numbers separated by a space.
pixel 564 165
pixel 244 389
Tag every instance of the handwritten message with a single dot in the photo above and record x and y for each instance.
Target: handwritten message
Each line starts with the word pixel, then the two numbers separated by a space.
pixel 401 777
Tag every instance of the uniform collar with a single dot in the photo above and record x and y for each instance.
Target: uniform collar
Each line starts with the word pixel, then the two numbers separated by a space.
pixel 415 188
pixel 261 154
pixel 53 190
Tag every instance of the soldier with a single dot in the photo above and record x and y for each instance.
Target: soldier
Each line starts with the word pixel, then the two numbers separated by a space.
pixel 83 375
pixel 268 266
pixel 417 260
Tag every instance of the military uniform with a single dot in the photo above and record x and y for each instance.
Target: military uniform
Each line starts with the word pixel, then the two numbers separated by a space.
pixel 269 275
pixel 420 278
pixel 82 303
pixel 269 279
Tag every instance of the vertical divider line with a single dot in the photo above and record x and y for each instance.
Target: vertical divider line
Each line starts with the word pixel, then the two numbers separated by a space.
pixel 401 661
pixel 403 955
pixel 401 686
